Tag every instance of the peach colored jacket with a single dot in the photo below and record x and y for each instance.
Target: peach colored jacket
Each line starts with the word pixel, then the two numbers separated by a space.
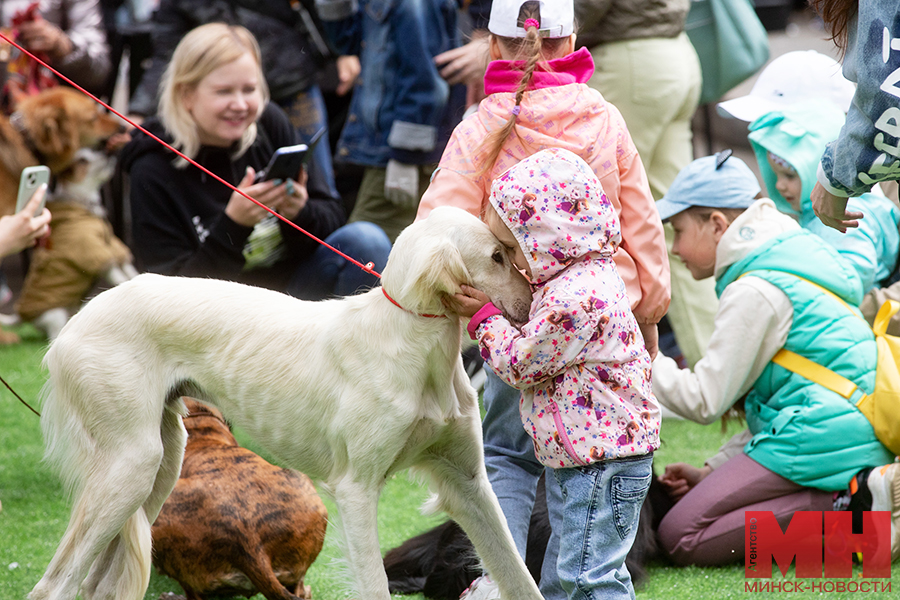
pixel 577 118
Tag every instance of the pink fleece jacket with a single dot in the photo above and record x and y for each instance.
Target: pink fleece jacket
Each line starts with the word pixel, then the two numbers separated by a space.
pixel 561 111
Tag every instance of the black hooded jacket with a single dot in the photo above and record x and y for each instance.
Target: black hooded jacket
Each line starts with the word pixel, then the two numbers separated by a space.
pixel 179 226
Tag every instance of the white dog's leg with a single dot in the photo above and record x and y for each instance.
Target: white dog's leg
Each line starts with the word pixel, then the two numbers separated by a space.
pixel 120 481
pixel 128 548
pixel 174 438
pixel 459 478
pixel 124 567
pixel 358 507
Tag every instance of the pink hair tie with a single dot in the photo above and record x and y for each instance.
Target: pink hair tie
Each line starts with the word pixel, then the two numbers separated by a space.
pixel 531 23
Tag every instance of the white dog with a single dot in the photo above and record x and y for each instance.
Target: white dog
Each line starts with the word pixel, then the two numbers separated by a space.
pixel 348 391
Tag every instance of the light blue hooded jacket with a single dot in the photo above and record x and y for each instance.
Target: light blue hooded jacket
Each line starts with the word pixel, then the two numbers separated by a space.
pixel 799 135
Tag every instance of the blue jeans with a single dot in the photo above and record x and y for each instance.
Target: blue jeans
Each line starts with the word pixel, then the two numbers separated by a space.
pixel 307 114
pixel 513 471
pixel 601 507
pixel 327 274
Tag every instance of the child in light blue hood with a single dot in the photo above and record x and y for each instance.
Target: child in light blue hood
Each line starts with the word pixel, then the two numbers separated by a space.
pixel 789 144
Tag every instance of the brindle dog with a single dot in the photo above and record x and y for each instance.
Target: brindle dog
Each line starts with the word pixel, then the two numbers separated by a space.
pixel 236 525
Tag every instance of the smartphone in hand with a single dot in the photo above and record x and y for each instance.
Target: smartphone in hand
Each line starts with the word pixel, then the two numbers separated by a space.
pixel 286 162
pixel 32 178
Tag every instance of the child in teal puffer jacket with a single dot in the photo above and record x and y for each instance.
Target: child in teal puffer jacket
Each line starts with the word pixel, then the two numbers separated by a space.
pixel 805 446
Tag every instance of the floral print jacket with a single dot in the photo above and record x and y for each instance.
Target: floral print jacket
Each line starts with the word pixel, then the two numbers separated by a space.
pixel 580 360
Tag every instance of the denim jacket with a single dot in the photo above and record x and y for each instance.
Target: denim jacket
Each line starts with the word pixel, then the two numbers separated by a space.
pixel 868 149
pixel 402 108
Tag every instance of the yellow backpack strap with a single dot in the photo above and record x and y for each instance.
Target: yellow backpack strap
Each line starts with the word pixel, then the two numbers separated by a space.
pixel 883 318
pixel 812 370
pixel 828 292
pixel 815 372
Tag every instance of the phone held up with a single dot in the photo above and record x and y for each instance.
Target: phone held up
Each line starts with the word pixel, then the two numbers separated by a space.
pixel 286 162
pixel 32 178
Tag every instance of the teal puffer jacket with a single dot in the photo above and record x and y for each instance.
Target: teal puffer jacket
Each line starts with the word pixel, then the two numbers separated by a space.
pixel 802 431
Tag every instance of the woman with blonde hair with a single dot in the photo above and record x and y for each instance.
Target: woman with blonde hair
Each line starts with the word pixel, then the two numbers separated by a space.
pixel 214 108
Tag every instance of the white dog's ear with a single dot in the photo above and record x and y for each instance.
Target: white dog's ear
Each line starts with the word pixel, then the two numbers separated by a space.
pixel 438 273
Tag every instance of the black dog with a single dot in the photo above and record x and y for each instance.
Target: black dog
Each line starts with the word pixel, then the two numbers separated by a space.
pixel 441 563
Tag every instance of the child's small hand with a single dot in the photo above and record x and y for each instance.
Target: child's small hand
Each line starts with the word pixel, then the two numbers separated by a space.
pixel 468 302
pixel 680 478
pixel 832 210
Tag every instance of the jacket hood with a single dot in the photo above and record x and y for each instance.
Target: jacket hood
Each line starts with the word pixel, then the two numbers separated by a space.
pixel 756 226
pixel 767 239
pixel 555 207
pixel 505 75
pixel 798 135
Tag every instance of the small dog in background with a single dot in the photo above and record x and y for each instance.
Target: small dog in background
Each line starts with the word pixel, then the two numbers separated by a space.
pixel 82 250
pixel 236 525
pixel 48 128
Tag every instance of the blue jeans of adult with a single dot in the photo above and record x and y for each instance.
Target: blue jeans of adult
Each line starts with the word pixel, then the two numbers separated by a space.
pixel 601 507
pixel 308 115
pixel 513 470
pixel 327 274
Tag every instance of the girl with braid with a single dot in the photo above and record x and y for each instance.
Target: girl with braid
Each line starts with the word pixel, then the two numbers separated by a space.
pixel 538 99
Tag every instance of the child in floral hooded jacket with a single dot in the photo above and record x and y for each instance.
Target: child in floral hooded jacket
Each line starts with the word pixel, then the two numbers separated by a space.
pixel 580 361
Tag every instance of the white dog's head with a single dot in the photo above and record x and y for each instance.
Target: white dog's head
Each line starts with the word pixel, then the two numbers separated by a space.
pixel 433 257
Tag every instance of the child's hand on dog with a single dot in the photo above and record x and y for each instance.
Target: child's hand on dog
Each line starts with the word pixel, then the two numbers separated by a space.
pixel 466 303
pixel 286 198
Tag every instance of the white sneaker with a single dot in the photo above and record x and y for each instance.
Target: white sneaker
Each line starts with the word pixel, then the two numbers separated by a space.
pixel 884 484
pixel 482 588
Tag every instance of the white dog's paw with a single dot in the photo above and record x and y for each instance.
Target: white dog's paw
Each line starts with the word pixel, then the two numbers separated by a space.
pixel 483 588
pixel 52 321
pixel 9 320
pixel 119 274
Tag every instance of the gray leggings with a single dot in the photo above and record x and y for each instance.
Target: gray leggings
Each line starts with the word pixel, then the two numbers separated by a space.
pixel 706 527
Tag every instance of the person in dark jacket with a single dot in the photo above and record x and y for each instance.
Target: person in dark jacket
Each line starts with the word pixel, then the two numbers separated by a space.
pixel 214 108
pixel 293 53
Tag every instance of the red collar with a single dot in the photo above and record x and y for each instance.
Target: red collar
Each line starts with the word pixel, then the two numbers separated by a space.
pixel 397 304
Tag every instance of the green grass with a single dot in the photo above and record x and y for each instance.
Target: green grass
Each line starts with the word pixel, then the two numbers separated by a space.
pixel 35 513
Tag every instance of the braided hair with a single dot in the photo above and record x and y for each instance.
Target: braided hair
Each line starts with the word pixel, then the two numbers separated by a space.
pixel 532 48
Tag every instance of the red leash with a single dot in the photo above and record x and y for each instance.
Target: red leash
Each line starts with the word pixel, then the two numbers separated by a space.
pixel 367 268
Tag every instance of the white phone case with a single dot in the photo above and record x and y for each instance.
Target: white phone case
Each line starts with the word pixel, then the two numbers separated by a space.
pixel 32 178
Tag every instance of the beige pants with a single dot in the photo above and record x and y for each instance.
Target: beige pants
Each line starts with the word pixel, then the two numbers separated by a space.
pixel 374 207
pixel 655 84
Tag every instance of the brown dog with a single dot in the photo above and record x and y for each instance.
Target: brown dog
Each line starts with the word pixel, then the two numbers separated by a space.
pixel 236 525
pixel 48 128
